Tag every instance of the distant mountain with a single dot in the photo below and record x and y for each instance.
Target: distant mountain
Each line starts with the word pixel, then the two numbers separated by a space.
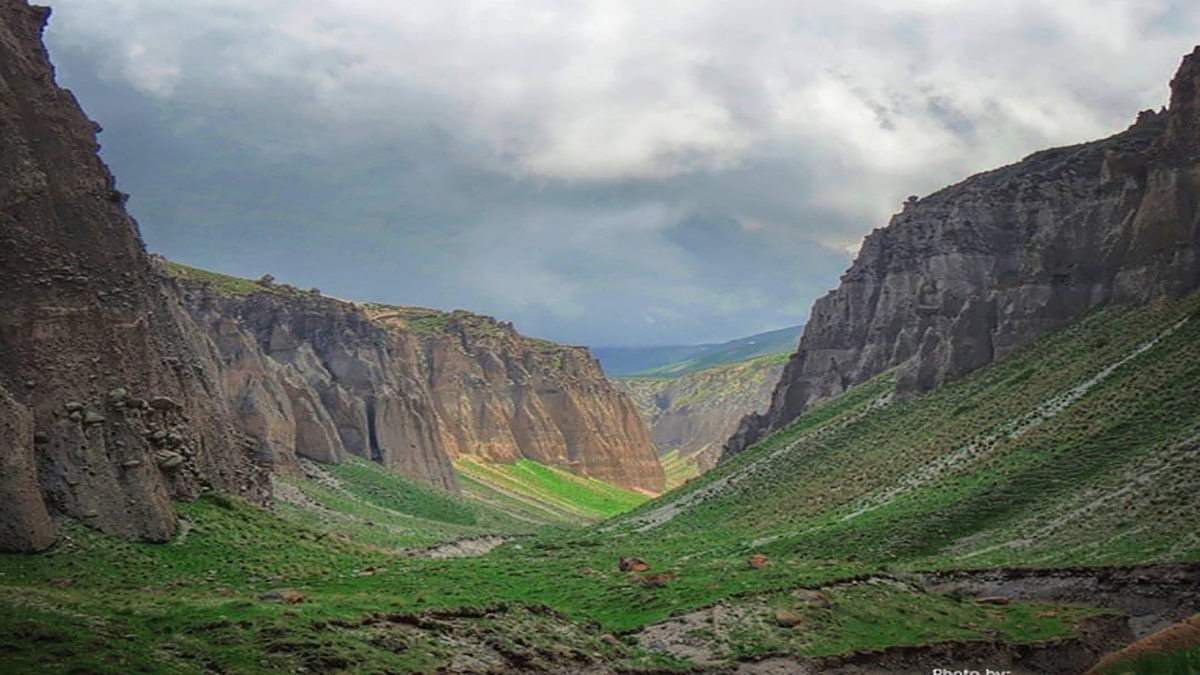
pixel 691 416
pixel 679 360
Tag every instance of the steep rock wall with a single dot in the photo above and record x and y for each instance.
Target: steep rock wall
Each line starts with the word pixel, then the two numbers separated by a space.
pixel 980 269
pixel 413 389
pixel 88 340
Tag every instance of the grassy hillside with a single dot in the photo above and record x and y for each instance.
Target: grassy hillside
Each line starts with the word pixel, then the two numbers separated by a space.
pixel 363 502
pixel 554 494
pixel 1081 450
pixel 778 343
pixel 1043 459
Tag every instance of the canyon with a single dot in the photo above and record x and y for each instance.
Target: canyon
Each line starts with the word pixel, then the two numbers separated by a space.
pixel 690 416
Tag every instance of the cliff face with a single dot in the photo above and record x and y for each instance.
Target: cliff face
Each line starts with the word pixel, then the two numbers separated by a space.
pixel 413 388
pixel 695 413
pixel 106 413
pixel 980 269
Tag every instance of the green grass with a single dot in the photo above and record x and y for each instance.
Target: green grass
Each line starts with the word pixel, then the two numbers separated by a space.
pixel 371 505
pixel 223 284
pixel 1019 502
pixel 579 498
pixel 865 484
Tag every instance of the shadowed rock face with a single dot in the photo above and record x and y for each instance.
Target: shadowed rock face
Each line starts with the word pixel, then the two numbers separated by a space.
pixel 322 378
pixel 114 400
pixel 24 522
pixel 978 270
pixel 87 336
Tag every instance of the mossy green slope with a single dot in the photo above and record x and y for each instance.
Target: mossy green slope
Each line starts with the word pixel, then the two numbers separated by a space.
pixel 1080 450
pixel 363 502
pixel 559 495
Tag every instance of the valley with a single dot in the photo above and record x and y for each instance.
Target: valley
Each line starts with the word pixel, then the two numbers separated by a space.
pixel 692 414
pixel 1037 453
pixel 981 454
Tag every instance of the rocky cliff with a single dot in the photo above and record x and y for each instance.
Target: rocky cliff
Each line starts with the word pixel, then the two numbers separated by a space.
pixel 122 389
pixel 985 267
pixel 694 414
pixel 106 413
pixel 411 388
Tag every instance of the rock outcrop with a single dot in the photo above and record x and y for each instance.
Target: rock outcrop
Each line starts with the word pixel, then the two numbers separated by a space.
pixel 695 413
pixel 25 523
pixel 411 388
pixel 101 386
pixel 978 270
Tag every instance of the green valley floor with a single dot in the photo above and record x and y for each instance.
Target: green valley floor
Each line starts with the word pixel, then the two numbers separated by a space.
pixel 819 542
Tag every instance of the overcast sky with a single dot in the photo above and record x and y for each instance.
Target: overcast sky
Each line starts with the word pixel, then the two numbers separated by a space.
pixel 601 172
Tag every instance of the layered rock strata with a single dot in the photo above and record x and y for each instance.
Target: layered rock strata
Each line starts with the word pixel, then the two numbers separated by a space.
pixel 414 388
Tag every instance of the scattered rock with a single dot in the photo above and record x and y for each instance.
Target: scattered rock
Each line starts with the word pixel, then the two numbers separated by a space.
pixel 788 618
pixel 610 640
pixel 168 460
pixel 993 600
pixel 131 463
pixel 40 437
pixel 631 564
pixel 73 406
pixel 813 598
pixel 93 417
pixel 118 395
pixel 165 404
pixel 654 580
pixel 62 582
pixel 287 596
pixel 759 561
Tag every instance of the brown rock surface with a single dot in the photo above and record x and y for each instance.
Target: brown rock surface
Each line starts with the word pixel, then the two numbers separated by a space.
pixel 413 388
pixel 82 315
pixel 24 522
pixel 981 269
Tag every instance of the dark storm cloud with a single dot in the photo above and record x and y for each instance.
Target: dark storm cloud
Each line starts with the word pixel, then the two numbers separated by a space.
pixel 599 172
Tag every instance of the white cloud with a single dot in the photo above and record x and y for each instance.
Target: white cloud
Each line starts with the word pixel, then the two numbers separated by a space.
pixel 613 120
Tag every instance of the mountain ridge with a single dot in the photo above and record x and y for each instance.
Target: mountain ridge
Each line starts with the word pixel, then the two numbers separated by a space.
pixel 410 387
pixel 679 360
pixel 982 268
pixel 690 415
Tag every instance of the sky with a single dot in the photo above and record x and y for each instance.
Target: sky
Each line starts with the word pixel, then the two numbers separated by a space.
pixel 599 172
